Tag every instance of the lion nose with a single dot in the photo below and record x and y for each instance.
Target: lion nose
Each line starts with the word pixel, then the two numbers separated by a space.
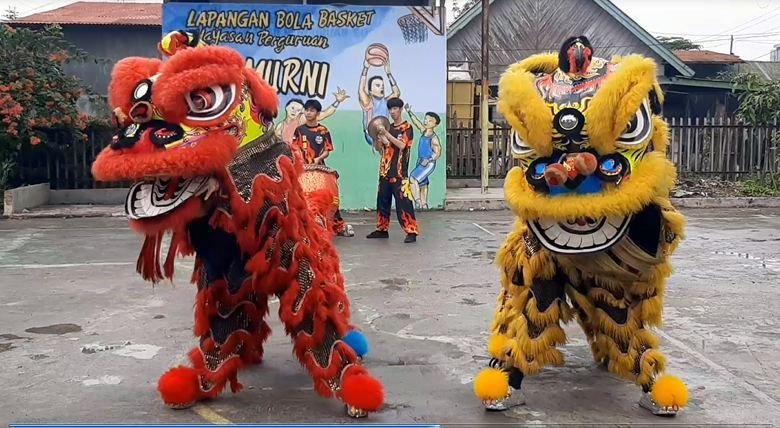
pixel 141 112
pixel 555 174
pixel 584 164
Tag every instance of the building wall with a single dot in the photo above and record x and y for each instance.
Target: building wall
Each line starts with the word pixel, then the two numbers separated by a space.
pixel 709 71
pixel 520 28
pixel 692 102
pixel 111 43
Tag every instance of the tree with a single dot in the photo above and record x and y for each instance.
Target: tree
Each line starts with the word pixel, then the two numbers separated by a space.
pixel 35 94
pixel 11 14
pixel 677 43
pixel 759 105
pixel 459 9
pixel 759 100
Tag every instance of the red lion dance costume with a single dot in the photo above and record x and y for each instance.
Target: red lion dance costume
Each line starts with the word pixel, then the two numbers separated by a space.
pixel 195 133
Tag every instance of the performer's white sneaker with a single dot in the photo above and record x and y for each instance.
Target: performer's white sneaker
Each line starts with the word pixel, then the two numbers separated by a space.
pixel 349 231
pixel 354 412
pixel 647 402
pixel 514 399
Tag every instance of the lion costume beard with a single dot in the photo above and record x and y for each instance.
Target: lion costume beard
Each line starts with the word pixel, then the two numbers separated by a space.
pixel 595 227
pixel 195 135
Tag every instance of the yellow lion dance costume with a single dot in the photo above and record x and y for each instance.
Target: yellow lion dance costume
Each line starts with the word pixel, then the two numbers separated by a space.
pixel 595 226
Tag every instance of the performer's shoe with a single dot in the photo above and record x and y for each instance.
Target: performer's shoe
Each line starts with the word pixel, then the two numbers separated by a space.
pixel 647 402
pixel 512 400
pixel 410 237
pixel 666 397
pixel 354 412
pixel 360 392
pixel 378 234
pixel 348 231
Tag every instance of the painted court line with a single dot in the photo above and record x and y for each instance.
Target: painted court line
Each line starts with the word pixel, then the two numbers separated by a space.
pixel 14 244
pixel 483 229
pixel 761 395
pixel 210 415
pixel 64 265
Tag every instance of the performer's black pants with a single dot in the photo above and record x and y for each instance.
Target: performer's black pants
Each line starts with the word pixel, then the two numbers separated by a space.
pixel 398 189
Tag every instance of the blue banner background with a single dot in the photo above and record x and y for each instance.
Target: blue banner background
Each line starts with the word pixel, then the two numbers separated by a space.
pixel 419 68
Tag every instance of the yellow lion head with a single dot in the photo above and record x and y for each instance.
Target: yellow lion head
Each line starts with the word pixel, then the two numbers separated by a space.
pixel 591 145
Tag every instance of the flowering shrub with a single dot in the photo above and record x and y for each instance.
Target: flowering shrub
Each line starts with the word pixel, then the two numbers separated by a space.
pixel 35 94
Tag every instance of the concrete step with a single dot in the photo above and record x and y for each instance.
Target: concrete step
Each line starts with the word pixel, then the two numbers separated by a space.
pixel 473 199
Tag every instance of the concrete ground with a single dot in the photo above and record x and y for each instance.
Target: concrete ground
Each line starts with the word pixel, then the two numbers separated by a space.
pixel 68 287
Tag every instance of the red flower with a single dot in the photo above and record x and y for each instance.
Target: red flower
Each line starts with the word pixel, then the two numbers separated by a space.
pixel 35 140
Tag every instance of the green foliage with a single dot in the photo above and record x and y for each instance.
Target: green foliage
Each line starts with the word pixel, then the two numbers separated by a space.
pixel 35 94
pixel 759 100
pixel 677 43
pixel 759 105
pixel 760 187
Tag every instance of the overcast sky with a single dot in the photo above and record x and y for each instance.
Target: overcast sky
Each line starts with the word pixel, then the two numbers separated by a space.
pixel 755 24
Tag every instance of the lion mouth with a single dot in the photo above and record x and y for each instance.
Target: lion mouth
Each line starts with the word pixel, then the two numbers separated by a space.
pixel 583 235
pixel 162 195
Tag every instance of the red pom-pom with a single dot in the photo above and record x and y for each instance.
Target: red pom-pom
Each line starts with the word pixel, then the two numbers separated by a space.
pixel 362 391
pixel 179 386
pixel 555 174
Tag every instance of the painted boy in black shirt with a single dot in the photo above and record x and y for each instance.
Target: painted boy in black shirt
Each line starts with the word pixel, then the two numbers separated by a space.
pixel 315 144
pixel 394 176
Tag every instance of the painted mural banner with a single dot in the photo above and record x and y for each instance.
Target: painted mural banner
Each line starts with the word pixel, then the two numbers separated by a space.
pixel 352 59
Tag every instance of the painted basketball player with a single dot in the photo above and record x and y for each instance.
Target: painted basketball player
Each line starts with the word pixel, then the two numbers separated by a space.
pixel 428 152
pixel 294 117
pixel 371 91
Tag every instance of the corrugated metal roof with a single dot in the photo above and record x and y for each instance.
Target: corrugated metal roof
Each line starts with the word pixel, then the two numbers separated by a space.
pixel 608 7
pixel 99 13
pixel 764 69
pixel 707 57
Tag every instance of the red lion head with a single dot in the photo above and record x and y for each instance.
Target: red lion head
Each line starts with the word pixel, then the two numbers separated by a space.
pixel 180 124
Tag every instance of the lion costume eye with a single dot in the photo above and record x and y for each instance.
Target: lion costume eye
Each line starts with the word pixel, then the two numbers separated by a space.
pixel 142 91
pixel 639 128
pixel 210 103
pixel 519 148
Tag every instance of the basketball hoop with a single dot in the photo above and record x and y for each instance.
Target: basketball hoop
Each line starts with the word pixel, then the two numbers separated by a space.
pixel 414 30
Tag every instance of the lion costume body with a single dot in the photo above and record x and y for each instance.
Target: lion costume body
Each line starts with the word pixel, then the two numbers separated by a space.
pixel 595 226
pixel 196 136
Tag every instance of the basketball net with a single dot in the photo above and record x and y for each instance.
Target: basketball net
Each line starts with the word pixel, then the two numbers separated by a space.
pixel 413 29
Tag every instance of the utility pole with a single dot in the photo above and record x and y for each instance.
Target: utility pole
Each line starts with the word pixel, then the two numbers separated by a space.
pixel 485 94
pixel 731 46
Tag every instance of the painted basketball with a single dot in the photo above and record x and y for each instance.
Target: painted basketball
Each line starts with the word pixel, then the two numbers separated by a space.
pixel 377 54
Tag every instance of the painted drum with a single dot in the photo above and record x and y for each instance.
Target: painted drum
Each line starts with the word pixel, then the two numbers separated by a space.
pixel 320 185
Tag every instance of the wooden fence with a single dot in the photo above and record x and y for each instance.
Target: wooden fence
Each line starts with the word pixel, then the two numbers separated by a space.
pixel 63 161
pixel 723 147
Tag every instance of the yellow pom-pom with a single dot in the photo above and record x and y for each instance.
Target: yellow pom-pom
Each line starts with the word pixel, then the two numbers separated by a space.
pixel 497 345
pixel 491 384
pixel 669 391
